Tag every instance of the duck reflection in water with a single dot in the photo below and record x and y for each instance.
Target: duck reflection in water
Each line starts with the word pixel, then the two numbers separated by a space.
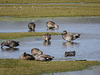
pixel 10 49
pixel 46 43
pixel 51 29
pixel 31 31
pixel 70 44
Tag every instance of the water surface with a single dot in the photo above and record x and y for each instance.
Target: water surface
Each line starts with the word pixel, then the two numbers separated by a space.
pixel 87 47
pixel 93 71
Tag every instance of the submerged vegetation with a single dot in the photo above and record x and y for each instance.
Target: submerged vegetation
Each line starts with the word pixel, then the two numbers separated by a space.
pixel 23 34
pixel 25 67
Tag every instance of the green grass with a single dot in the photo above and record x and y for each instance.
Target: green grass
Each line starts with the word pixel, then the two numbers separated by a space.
pixel 48 1
pixel 24 67
pixel 50 10
pixel 23 34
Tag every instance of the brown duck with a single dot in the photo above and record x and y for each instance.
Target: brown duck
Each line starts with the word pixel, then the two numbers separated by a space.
pixel 36 51
pixel 47 37
pixel 26 56
pixel 51 25
pixel 32 26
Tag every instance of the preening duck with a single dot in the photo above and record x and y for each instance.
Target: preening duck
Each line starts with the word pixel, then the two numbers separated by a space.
pixel 36 51
pixel 10 43
pixel 26 56
pixel 32 26
pixel 51 25
pixel 47 37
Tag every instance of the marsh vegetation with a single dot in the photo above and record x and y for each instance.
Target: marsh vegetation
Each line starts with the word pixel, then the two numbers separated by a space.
pixel 21 67
pixel 60 9
pixel 49 1
pixel 23 34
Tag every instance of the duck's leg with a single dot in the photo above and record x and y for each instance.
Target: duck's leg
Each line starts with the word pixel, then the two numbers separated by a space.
pixel 14 46
pixel 71 41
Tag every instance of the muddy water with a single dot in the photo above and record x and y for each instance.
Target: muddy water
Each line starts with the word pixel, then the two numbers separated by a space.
pixel 92 71
pixel 87 47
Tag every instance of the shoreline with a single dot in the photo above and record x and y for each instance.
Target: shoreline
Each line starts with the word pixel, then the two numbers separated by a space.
pixel 7 18
pixel 21 67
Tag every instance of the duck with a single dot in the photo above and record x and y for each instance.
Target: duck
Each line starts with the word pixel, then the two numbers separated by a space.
pixel 69 36
pixel 51 25
pixel 70 53
pixel 43 57
pixel 32 26
pixel 36 51
pixel 47 37
pixel 26 56
pixel 39 56
pixel 10 44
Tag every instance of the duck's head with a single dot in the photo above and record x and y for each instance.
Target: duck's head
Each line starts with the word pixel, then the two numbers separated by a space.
pixel 56 26
pixel 3 44
pixel 64 32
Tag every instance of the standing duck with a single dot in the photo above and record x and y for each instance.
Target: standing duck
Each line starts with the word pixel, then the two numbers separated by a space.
pixel 31 26
pixel 10 43
pixel 69 36
pixel 26 56
pixel 51 25
pixel 47 37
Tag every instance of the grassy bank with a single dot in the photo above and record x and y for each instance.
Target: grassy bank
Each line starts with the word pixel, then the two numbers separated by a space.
pixel 24 67
pixel 89 8
pixel 23 34
pixel 49 11
pixel 48 1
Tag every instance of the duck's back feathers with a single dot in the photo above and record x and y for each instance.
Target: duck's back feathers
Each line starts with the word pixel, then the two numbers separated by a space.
pixel 43 57
pixel 36 51
pixel 26 56
pixel 32 26
pixel 51 25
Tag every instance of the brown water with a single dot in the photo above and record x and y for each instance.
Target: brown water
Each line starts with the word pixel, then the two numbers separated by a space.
pixel 87 47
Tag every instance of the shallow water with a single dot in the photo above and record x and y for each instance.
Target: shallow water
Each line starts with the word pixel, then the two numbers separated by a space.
pixel 93 71
pixel 87 47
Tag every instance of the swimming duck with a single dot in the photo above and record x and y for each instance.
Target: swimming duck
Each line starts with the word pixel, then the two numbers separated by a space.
pixel 43 57
pixel 51 25
pixel 69 36
pixel 36 51
pixel 47 37
pixel 26 56
pixel 10 43
pixel 70 53
pixel 31 26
